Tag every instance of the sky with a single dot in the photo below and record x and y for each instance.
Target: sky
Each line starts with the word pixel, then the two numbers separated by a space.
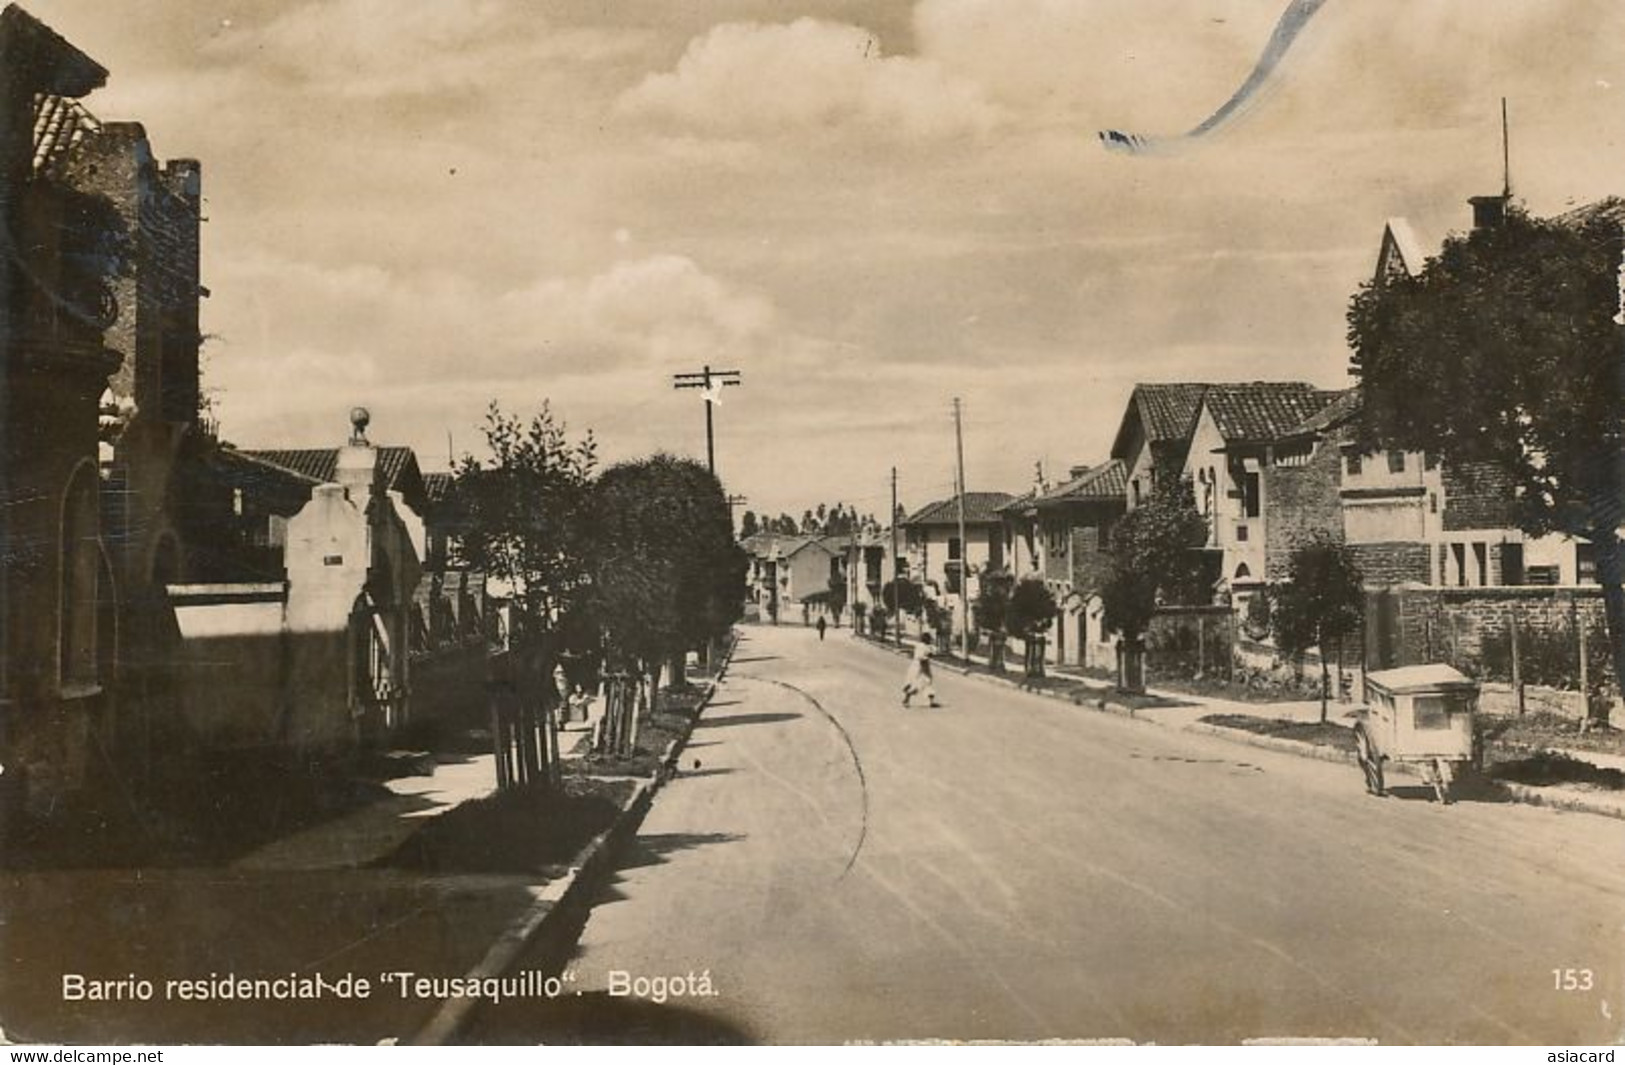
pixel 867 208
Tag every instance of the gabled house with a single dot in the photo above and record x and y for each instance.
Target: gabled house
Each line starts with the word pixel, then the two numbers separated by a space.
pixel 1155 434
pixel 787 569
pixel 1227 462
pixel 938 559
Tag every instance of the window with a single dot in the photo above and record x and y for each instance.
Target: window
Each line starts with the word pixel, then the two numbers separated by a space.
pixel 1241 534
pixel 954 548
pixel 1585 563
pixel 1354 464
pixel 1396 462
pixel 1138 499
pixel 1251 499
pixel 1433 502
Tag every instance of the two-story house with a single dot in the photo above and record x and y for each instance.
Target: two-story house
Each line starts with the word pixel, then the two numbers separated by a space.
pixel 1227 462
pixel 937 557
pixel 786 570
pixel 1155 434
pixel 1074 523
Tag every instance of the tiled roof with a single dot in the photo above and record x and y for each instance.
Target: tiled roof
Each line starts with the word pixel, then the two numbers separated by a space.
pixel 1612 208
pixel 1339 408
pixel 1165 413
pixel 763 544
pixel 1020 503
pixel 436 486
pixel 1168 410
pixel 1106 482
pixel 59 124
pixel 1261 410
pixel 981 508
pixel 322 463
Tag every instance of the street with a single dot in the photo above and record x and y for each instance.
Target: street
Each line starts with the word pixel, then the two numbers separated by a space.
pixel 1008 867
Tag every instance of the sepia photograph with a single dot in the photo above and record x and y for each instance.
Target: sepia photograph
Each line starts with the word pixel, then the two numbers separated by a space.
pixel 812 522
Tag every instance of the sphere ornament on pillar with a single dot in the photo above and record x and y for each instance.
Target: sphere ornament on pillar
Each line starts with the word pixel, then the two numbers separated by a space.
pixel 359 418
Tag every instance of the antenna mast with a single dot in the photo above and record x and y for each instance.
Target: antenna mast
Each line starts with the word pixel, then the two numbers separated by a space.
pixel 1506 154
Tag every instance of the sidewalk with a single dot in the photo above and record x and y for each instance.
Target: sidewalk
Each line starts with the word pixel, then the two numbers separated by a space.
pixel 1184 712
pixel 318 902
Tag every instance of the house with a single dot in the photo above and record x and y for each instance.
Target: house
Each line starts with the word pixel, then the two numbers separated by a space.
pixel 58 651
pixel 1226 463
pixel 937 558
pixel 787 570
pixel 1074 525
pixel 1155 434
pixel 866 565
pixel 1407 517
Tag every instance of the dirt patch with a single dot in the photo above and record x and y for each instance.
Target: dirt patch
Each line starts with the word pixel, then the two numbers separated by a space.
pixel 1543 769
pixel 1312 732
pixel 523 830
pixel 673 716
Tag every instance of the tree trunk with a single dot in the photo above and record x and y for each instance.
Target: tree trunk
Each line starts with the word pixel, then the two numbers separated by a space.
pixel 677 679
pixel 1610 570
pixel 1325 681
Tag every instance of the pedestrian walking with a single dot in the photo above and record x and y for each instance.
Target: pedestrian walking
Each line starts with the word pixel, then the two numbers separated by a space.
pixel 919 680
pixel 822 625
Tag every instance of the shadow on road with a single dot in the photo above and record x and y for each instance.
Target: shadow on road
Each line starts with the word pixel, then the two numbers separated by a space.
pixel 690 774
pixel 657 849
pixel 755 658
pixel 596 1018
pixel 746 719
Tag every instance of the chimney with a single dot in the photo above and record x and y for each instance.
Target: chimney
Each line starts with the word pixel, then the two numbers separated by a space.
pixel 358 470
pixel 1488 211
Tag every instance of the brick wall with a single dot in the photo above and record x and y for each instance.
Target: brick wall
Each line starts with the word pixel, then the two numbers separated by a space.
pixel 1385 565
pixel 1459 625
pixel 1090 561
pixel 1477 496
pixel 1301 501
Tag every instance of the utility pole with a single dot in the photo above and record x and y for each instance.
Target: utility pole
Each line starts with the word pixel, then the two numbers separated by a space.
pixel 733 502
pixel 964 546
pixel 896 597
pixel 713 382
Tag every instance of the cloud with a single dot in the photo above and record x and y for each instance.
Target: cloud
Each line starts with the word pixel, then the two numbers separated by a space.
pixel 375 333
pixel 373 49
pixel 762 78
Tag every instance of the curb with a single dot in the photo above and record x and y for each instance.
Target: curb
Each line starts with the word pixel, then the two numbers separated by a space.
pixel 1518 793
pixel 561 899
pixel 1523 793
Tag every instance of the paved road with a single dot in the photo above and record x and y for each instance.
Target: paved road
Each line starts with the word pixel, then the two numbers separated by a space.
pixel 1009 867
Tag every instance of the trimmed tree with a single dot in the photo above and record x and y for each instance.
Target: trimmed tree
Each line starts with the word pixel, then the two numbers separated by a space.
pixel 668 574
pixel 901 596
pixel 837 598
pixel 992 613
pixel 1032 607
pixel 1320 604
pixel 1154 560
pixel 1504 351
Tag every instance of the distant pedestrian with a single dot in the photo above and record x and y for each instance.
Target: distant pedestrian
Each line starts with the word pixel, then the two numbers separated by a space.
pixel 822 625
pixel 919 673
